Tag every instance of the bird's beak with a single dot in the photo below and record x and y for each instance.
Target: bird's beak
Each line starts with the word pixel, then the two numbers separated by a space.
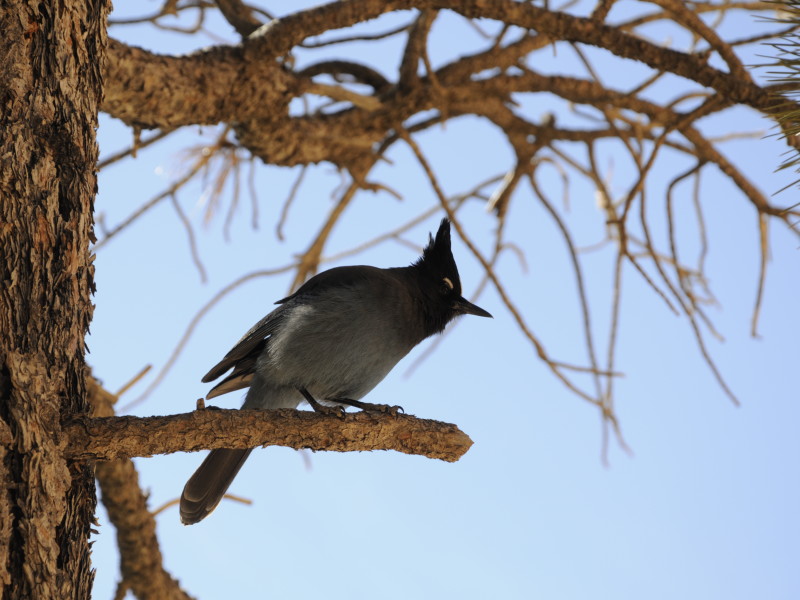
pixel 464 306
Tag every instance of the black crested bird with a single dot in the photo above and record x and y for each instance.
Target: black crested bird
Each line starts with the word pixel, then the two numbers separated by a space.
pixel 330 343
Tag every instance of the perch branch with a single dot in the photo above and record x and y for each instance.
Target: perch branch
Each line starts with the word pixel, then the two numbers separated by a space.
pixel 108 438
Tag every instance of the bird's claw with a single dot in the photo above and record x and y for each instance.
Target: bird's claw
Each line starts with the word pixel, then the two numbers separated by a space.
pixel 330 411
pixel 385 409
pixel 369 406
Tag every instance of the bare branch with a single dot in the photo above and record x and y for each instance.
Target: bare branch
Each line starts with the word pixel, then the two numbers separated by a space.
pixel 368 103
pixel 109 438
pixel 191 239
pixel 683 15
pixel 205 156
pixel 140 556
pixel 555 366
pixel 763 237
pixel 356 38
pixel 243 83
pixel 579 279
pixel 288 202
pixel 360 73
pixel 239 15
pixel 416 48
pixel 135 147
pixel 141 564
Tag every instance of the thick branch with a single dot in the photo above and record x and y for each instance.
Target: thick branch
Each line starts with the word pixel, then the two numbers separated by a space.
pixel 108 438
pixel 222 83
pixel 562 26
pixel 416 48
pixel 239 16
pixel 242 82
pixel 141 563
pixel 248 85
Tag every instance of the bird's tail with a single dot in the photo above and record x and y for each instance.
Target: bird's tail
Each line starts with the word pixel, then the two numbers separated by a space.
pixel 207 486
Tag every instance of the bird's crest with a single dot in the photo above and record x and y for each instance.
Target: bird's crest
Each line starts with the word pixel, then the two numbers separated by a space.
pixel 437 257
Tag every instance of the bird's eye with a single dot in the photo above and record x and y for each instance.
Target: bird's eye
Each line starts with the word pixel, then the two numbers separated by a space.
pixel 447 285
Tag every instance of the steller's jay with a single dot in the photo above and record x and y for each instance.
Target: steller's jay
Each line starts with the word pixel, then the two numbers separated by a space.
pixel 330 343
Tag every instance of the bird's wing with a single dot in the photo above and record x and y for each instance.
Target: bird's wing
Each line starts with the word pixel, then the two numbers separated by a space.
pixel 241 375
pixel 243 356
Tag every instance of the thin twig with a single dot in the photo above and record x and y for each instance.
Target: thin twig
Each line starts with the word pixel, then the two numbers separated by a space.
pixel 197 167
pixel 555 367
pixel 579 280
pixel 138 145
pixel 191 239
pixel 763 237
pixel 288 202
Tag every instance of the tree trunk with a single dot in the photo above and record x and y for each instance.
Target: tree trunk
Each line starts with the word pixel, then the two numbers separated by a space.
pixel 50 89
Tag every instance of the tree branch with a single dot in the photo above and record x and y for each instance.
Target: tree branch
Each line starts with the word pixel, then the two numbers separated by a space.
pixel 361 73
pixel 108 438
pixel 156 90
pixel 243 81
pixel 141 563
pixel 239 16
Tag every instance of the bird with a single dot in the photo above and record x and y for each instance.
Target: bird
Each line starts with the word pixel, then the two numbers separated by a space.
pixel 330 343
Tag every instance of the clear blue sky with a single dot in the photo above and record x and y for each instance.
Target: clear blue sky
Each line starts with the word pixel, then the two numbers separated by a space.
pixel 705 507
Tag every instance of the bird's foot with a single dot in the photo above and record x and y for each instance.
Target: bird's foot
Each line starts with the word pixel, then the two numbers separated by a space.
pixel 331 411
pixel 384 408
pixel 370 407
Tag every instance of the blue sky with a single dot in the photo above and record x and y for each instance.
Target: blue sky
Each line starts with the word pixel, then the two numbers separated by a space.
pixel 705 505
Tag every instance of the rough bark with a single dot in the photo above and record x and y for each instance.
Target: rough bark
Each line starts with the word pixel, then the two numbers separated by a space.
pixel 141 561
pixel 50 88
pixel 141 566
pixel 171 91
pixel 107 438
pixel 249 84
pixel 225 83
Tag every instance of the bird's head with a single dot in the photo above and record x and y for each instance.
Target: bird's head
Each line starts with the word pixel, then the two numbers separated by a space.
pixel 440 283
